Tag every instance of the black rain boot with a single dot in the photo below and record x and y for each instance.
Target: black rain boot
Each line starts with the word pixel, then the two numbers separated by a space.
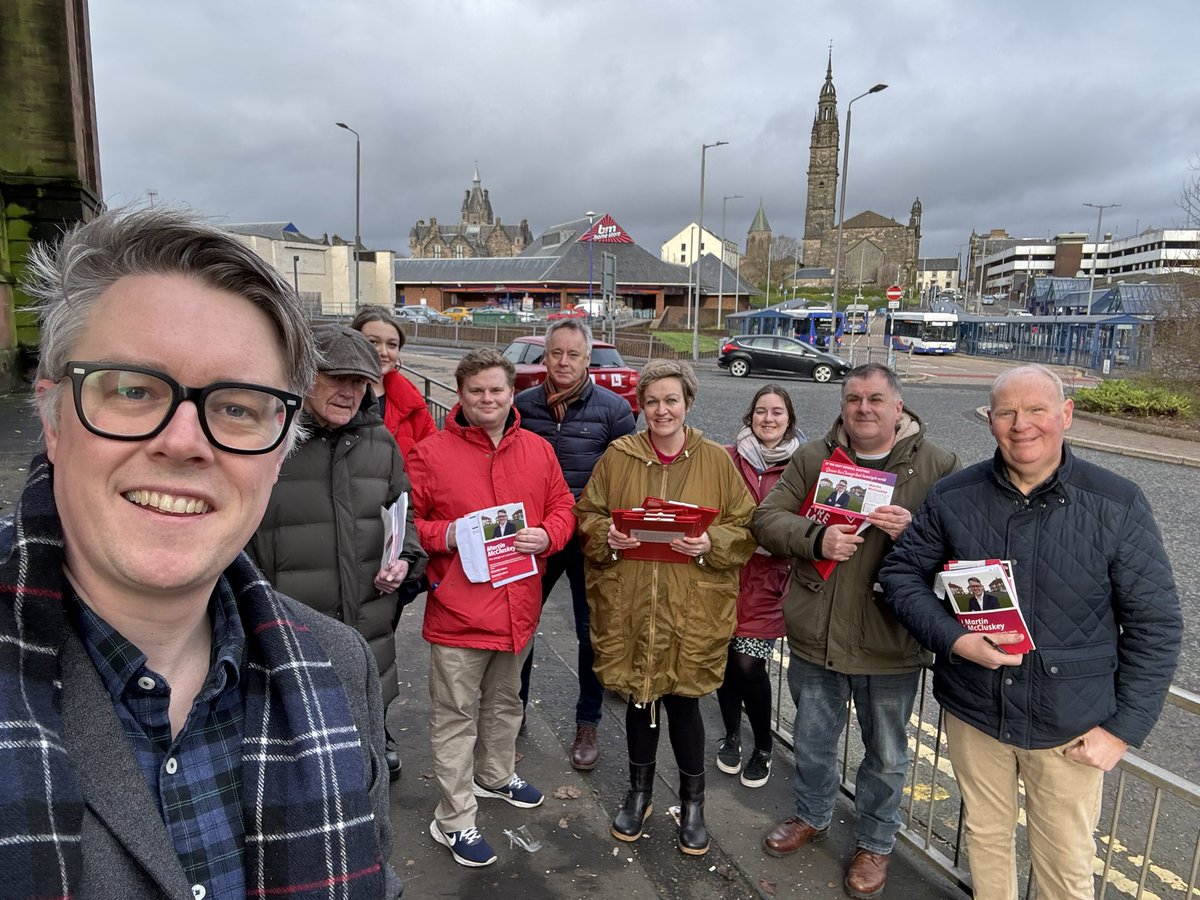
pixel 693 833
pixel 631 817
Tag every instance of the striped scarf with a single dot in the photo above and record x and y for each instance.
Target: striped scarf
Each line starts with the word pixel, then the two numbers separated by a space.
pixel 558 399
pixel 310 830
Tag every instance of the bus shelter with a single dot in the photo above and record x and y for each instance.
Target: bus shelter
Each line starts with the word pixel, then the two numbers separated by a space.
pixel 1086 342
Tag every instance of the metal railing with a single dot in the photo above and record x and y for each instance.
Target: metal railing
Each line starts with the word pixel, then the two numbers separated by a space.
pixel 1142 802
pixel 439 408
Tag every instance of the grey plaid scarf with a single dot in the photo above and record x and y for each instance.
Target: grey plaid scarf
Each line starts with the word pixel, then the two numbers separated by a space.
pixel 310 830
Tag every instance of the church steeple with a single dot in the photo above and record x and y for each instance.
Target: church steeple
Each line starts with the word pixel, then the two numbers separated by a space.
pixel 822 175
pixel 476 206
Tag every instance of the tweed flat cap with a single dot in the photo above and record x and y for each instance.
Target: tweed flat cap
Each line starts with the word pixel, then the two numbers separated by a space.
pixel 345 351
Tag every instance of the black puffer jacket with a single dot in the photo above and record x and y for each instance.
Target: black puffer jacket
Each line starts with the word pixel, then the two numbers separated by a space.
pixel 1094 584
pixel 596 419
pixel 321 538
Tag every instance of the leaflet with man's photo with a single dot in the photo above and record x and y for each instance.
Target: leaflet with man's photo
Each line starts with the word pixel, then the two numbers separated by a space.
pixel 487 545
pixel 843 487
pixel 983 596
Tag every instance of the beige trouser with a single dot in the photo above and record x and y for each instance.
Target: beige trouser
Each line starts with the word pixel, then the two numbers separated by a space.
pixel 470 744
pixel 1062 809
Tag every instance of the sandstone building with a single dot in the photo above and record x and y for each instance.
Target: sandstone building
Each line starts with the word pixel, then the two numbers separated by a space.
pixel 876 250
pixel 478 233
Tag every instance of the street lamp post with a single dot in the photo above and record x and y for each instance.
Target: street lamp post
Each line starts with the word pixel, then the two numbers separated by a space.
pixel 837 260
pixel 700 253
pixel 1100 208
pixel 296 274
pixel 721 277
pixel 591 239
pixel 357 205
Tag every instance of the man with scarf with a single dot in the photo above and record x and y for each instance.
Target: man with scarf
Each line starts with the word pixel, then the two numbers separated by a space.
pixel 579 419
pixel 844 641
pixel 170 726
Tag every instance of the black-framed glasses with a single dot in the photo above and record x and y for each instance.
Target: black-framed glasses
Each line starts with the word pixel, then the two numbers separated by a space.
pixel 133 403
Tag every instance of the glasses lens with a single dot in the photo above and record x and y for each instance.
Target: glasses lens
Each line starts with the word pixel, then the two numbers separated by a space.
pixel 242 418
pixel 123 403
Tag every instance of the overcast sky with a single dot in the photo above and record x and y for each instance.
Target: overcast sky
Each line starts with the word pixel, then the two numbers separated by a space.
pixel 998 115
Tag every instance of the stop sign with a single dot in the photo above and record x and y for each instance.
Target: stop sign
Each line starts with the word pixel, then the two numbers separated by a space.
pixel 894 292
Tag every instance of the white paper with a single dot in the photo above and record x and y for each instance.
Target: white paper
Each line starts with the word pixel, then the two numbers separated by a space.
pixel 395 519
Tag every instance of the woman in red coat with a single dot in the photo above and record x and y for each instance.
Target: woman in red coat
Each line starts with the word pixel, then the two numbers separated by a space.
pixel 400 404
pixel 766 442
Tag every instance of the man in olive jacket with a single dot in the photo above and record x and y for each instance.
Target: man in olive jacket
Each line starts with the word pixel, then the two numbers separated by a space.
pixel 844 642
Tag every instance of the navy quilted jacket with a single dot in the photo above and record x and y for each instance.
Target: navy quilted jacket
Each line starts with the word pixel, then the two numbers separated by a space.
pixel 1095 587
pixel 596 419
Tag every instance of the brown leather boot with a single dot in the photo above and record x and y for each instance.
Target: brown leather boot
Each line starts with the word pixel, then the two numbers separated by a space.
pixel 867 875
pixel 790 835
pixel 584 752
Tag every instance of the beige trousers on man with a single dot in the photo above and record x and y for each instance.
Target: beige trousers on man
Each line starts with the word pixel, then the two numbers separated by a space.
pixel 469 741
pixel 1062 809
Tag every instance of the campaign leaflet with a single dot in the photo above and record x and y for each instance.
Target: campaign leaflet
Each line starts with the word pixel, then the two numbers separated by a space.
pixel 983 597
pixel 854 490
pixel 487 545
pixel 827 515
pixel 395 519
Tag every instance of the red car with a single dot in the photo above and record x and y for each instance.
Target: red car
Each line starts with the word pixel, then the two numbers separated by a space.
pixel 607 368
pixel 572 312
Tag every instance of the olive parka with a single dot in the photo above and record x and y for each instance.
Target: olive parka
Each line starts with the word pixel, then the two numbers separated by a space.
pixel 842 624
pixel 321 537
pixel 659 627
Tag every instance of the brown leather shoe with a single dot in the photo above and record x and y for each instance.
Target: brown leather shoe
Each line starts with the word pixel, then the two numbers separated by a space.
pixel 867 875
pixel 584 751
pixel 789 836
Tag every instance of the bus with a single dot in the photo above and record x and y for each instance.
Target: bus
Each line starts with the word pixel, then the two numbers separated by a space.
pixel 821 328
pixel 922 332
pixel 858 318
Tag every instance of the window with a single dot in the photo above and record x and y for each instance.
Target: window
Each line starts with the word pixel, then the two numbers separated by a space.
pixel 437 251
pixel 459 251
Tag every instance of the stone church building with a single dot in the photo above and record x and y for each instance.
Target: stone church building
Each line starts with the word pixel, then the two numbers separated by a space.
pixel 478 233
pixel 876 250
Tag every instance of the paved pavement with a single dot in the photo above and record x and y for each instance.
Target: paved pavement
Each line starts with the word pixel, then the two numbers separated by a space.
pixel 577 856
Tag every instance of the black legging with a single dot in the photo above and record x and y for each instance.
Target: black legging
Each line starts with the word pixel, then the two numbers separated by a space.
pixel 686 727
pixel 747 682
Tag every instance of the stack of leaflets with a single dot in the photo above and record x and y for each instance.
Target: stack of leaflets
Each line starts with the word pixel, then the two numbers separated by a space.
pixel 845 494
pixel 657 522
pixel 983 596
pixel 486 545
pixel 395 519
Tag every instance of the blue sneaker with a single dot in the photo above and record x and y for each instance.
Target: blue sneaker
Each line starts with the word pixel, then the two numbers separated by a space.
pixel 467 846
pixel 517 791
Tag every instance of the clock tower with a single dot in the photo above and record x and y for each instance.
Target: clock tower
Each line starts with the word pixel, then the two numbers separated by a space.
pixel 818 248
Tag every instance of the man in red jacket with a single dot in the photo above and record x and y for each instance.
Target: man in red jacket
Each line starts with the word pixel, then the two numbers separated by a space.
pixel 481 634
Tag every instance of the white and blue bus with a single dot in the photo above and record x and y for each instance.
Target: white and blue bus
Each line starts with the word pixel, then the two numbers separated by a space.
pixel 820 328
pixel 922 332
pixel 858 318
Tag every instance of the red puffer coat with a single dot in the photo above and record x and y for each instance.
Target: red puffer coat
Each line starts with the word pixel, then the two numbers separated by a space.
pixel 457 471
pixel 764 580
pixel 405 413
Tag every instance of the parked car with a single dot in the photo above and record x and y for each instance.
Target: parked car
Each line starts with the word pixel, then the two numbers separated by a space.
pixel 607 368
pixel 768 353
pixel 421 314
pixel 459 314
pixel 574 312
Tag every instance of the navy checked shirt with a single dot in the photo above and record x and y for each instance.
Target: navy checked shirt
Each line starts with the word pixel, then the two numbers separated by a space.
pixel 196 778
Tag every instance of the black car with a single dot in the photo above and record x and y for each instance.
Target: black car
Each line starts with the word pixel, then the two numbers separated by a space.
pixel 768 353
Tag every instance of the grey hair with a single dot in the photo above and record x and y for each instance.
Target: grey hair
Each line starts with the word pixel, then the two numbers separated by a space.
pixel 658 369
pixel 866 370
pixel 575 325
pixel 1030 369
pixel 68 276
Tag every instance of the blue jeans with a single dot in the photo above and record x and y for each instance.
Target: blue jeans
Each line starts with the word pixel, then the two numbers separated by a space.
pixel 884 704
pixel 569 560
